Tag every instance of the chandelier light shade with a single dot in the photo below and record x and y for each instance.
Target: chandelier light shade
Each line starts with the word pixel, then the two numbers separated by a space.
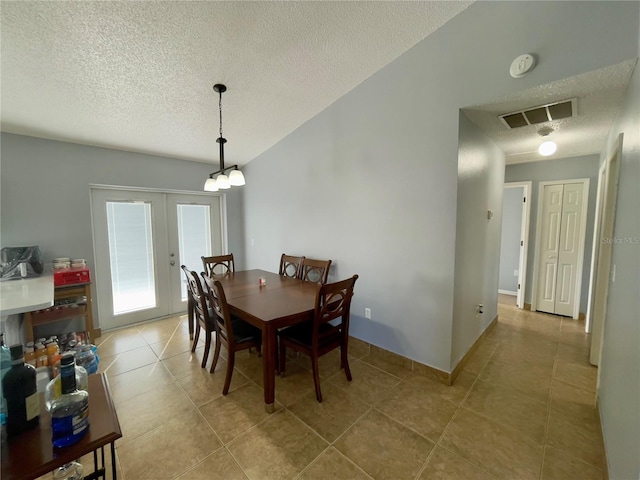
pixel 219 180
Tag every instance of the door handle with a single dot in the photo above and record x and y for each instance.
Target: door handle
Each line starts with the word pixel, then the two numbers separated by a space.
pixel 553 256
pixel 172 263
pixel 172 254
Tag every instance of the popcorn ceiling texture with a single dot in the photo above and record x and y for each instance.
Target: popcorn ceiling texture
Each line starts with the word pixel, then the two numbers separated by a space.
pixel 138 76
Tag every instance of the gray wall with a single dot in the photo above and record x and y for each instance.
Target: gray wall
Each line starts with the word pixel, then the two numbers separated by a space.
pixel 510 238
pixel 480 180
pixel 563 169
pixel 45 196
pixel 371 182
pixel 619 391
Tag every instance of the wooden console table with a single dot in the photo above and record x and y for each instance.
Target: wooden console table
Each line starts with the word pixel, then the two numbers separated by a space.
pixel 30 454
pixel 40 317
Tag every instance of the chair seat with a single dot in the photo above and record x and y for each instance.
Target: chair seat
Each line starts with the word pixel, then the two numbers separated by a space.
pixel 302 334
pixel 245 332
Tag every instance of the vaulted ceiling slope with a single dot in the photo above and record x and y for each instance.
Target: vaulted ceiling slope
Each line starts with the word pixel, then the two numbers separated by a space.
pixel 138 76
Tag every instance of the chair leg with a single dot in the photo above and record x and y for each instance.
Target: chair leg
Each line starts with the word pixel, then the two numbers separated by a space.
pixel 345 362
pixel 216 354
pixel 231 359
pixel 196 337
pixel 207 346
pixel 316 378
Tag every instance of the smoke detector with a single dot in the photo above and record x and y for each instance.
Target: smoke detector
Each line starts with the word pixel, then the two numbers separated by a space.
pixel 522 65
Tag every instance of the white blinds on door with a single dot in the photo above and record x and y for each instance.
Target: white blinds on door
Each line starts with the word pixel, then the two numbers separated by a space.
pixel 194 238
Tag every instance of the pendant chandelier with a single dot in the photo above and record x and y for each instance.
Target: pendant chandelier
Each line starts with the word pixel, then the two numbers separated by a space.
pixel 218 180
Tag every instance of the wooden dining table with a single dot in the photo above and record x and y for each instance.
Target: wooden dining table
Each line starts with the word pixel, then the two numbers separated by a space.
pixel 280 302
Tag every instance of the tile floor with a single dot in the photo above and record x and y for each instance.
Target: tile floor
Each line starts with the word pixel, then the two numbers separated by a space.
pixel 523 408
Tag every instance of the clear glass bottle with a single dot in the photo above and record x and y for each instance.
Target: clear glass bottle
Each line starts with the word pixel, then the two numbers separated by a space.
pixel 70 411
pixel 69 471
pixel 20 390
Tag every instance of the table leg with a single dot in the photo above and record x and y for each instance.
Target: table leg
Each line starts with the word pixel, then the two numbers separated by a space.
pixel 269 364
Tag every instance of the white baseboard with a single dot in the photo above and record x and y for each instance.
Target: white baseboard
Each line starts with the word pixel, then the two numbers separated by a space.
pixel 508 292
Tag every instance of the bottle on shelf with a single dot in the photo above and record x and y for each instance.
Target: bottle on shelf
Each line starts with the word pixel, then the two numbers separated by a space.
pixel 5 365
pixel 41 355
pixel 20 391
pixel 70 411
pixel 30 354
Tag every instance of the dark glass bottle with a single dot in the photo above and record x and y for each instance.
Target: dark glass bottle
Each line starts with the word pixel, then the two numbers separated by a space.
pixel 70 411
pixel 20 390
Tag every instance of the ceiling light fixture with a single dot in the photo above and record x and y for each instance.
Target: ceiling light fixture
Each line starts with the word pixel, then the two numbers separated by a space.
pixel 222 181
pixel 548 147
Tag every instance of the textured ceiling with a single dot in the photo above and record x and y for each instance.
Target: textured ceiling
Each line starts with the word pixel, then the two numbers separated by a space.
pixel 138 76
pixel 599 97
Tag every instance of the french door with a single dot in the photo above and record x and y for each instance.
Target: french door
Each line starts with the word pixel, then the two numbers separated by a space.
pixel 141 238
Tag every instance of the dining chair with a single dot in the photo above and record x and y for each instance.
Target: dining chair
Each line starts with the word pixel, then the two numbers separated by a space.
pixel 315 271
pixel 318 336
pixel 218 264
pixel 290 265
pixel 201 313
pixel 234 333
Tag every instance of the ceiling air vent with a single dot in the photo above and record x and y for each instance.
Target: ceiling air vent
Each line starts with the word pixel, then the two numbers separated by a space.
pixel 541 114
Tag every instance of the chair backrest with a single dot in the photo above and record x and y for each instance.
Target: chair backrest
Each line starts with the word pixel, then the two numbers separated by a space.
pixel 315 271
pixel 220 308
pixel 290 266
pixel 333 300
pixel 218 265
pixel 197 294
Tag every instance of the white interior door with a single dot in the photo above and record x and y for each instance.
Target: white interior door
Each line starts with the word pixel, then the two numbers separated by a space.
pixel 140 239
pixel 560 247
pixel 195 228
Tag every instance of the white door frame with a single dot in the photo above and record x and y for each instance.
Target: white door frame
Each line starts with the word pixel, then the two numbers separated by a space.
pixel 98 274
pixel 524 236
pixel 583 228
pixel 601 264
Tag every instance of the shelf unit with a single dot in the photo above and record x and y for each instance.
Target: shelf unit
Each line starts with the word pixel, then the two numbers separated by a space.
pixel 41 317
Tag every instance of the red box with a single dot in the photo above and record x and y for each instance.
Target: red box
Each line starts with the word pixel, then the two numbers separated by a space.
pixel 71 276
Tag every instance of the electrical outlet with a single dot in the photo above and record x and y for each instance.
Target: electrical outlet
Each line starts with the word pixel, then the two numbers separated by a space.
pixel 367 313
pixel 516 273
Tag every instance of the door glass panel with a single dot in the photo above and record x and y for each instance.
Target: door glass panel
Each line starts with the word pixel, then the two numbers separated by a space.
pixel 194 239
pixel 131 256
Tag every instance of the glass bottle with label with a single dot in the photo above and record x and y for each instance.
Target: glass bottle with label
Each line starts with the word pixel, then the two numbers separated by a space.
pixel 70 411
pixel 5 366
pixel 20 391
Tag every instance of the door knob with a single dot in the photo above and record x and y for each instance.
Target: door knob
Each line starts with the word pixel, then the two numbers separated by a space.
pixel 172 263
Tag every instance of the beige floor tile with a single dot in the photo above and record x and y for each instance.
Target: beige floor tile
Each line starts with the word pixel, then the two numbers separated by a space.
pixel 576 338
pixel 497 450
pixel 130 360
pixel 136 382
pixel 400 371
pixel 331 418
pixel 185 364
pixel 235 413
pixel 577 438
pixel 176 345
pixel 119 341
pixel 527 351
pixel 574 401
pixel 297 382
pixel 219 464
pixel 454 393
pixel 250 364
pixel 285 446
pixel 202 386
pixel 480 357
pixel 332 465
pixel 369 383
pixel 560 466
pixel 576 373
pixel 530 380
pixel 577 353
pixel 384 448
pixel 420 408
pixel 161 332
pixel 444 465
pixel 358 348
pixel 510 409
pixel 141 414
pixel 170 449
pixel 89 467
